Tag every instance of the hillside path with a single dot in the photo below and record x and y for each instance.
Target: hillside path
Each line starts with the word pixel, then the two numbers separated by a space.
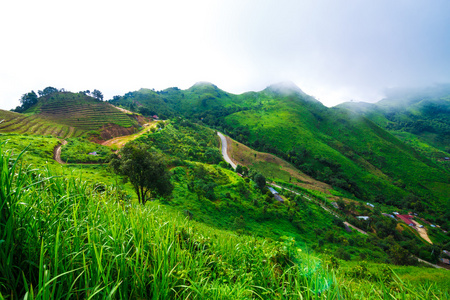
pixel 121 109
pixel 309 199
pixel 356 228
pixel 57 152
pixel 225 150
pixel 428 263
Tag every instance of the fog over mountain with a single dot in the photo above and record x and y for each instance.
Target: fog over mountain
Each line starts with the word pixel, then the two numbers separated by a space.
pixel 333 50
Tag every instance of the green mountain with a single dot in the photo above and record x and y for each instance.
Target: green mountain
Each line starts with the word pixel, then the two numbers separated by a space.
pixel 419 117
pixel 335 145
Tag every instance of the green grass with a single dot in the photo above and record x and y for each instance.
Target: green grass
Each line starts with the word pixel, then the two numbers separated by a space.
pixel 40 148
pixel 77 151
pixel 85 243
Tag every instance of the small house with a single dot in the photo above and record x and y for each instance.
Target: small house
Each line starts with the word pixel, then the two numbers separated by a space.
pixel 273 191
pixel 407 219
pixel 276 195
pixel 335 205
pixel 365 218
pixel 93 153
pixel 370 204
pixel 388 215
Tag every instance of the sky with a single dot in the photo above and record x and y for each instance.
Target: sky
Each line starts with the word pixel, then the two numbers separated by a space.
pixel 334 50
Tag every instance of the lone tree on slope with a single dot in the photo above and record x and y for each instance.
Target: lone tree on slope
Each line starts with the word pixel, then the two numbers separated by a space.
pixel 146 170
pixel 97 95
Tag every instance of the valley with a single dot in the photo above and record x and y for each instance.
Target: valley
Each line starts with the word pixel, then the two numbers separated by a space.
pixel 219 233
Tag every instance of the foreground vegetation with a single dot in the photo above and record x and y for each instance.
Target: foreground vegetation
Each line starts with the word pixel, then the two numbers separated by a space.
pixel 62 239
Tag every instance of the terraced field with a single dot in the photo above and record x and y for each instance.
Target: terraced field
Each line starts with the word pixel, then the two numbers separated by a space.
pixel 82 112
pixel 11 122
pixel 65 115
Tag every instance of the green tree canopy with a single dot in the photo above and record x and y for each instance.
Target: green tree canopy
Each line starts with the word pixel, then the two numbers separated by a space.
pixel 47 91
pixel 146 170
pixel 27 100
pixel 260 181
pixel 97 95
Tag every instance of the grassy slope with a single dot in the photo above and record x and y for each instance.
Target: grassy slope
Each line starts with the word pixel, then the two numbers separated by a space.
pixel 424 113
pixel 40 151
pixel 367 155
pixel 273 167
pixel 80 242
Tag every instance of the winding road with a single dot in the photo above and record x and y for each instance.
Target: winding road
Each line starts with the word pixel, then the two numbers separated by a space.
pixel 224 150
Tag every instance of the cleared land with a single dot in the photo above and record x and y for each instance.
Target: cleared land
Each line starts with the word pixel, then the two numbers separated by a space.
pixel 422 232
pixel 120 141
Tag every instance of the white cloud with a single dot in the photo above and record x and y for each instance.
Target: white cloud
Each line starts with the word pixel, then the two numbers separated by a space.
pixel 335 50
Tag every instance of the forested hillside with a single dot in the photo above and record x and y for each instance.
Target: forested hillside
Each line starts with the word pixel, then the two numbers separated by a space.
pixel 348 151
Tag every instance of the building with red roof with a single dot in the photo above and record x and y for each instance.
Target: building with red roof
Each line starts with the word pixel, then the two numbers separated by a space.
pixel 406 219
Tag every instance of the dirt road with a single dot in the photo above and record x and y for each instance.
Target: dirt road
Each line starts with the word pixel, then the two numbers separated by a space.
pixel 356 228
pixel 57 152
pixel 122 140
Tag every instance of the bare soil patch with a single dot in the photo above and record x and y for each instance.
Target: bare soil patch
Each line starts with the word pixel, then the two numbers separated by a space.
pixel 110 131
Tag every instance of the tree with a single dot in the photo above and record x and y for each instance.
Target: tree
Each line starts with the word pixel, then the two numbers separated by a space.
pixel 97 95
pixel 27 100
pixel 146 170
pixel 47 91
pixel 86 92
pixel 260 181
pixel 399 256
pixel 212 155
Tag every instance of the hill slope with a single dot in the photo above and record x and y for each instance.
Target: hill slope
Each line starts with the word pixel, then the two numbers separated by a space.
pixel 330 144
pixel 419 117
pixel 78 111
pixel 11 122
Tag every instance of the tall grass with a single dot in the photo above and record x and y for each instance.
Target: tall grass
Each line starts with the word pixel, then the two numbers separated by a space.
pixel 61 239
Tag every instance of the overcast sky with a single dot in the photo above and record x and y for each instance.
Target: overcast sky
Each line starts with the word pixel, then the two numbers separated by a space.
pixel 333 50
